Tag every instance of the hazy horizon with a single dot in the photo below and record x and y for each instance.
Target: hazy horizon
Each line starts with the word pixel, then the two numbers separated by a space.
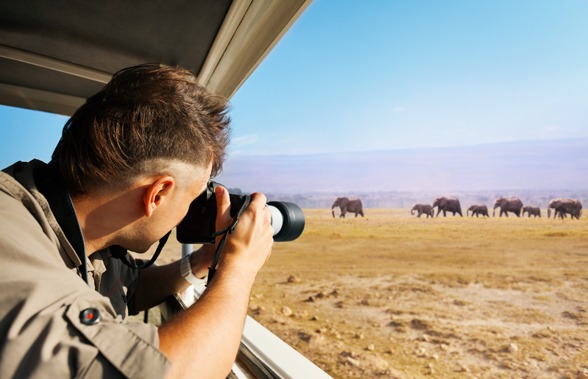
pixel 542 165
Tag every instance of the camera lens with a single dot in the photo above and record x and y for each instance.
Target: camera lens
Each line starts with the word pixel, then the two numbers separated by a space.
pixel 287 220
pixel 199 224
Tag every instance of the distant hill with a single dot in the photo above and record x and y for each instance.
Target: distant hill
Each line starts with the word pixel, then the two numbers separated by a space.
pixel 543 168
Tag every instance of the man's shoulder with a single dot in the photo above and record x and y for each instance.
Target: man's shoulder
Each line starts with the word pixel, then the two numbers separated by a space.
pixel 18 178
pixel 27 217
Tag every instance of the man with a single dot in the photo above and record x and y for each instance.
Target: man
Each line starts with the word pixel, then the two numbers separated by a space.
pixel 128 165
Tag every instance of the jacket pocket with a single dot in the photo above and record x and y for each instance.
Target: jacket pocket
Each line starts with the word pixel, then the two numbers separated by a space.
pixel 130 347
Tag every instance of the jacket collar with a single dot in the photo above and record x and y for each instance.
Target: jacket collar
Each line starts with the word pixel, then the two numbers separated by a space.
pixel 52 187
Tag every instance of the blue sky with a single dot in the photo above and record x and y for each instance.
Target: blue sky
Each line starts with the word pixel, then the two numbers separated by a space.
pixel 352 76
pixel 371 75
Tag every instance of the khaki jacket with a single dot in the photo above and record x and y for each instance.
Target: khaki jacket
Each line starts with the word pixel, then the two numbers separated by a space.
pixel 53 325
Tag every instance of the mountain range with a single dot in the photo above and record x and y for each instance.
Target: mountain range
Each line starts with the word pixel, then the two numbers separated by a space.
pixel 545 168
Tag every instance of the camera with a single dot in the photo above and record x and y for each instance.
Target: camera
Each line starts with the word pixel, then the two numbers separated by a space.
pixel 199 224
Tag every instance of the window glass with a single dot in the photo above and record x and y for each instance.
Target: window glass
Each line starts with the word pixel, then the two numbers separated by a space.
pixel 398 104
pixel 28 134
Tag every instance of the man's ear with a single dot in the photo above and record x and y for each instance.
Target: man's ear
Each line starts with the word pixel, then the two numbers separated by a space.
pixel 157 193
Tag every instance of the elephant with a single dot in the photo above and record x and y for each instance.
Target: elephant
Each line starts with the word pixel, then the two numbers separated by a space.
pixel 512 204
pixel 478 210
pixel 554 203
pixel 346 205
pixel 532 211
pixel 423 208
pixel 447 204
pixel 572 207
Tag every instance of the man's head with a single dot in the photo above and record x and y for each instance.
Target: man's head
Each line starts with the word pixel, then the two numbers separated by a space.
pixel 144 118
pixel 137 153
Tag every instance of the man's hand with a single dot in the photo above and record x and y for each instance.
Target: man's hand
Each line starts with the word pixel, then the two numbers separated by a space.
pixel 201 259
pixel 203 341
pixel 249 246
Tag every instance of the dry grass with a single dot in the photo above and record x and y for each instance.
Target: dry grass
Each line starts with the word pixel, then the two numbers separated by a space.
pixel 395 296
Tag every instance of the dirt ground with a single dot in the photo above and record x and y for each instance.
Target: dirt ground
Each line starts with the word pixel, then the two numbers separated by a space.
pixel 395 296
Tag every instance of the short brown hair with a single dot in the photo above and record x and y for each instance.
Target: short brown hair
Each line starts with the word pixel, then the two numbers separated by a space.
pixel 144 113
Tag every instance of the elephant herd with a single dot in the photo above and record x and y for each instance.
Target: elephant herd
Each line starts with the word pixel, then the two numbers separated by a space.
pixel 560 207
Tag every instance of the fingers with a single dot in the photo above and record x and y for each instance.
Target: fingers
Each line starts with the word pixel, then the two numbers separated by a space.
pixel 251 241
pixel 223 206
pixel 259 204
pixel 258 200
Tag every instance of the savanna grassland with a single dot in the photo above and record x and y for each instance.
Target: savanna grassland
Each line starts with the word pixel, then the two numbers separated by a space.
pixel 391 295
pixel 396 296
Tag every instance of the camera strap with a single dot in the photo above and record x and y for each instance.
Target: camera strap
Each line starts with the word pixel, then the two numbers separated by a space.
pixel 121 253
pixel 225 233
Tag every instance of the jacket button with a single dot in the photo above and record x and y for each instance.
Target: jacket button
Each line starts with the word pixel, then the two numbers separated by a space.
pixel 90 316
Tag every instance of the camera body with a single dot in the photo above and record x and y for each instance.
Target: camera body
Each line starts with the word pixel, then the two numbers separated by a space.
pixel 199 225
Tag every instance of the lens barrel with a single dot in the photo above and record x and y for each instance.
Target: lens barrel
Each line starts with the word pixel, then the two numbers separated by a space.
pixel 287 220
